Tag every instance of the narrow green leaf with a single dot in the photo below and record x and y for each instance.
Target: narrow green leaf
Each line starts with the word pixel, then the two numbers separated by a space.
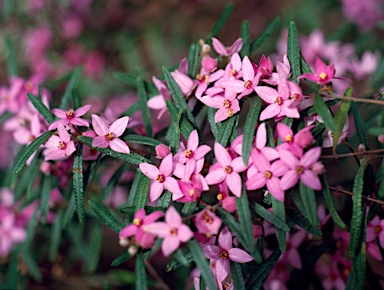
pixel 188 208
pixel 376 131
pixel 360 126
pixel 359 261
pixel 329 203
pixel 141 276
pixel 176 264
pixel 323 111
pixel 257 279
pixel 11 58
pixel 279 211
pixel 213 125
pixel 305 69
pixel 132 158
pixel 28 178
pixel 73 82
pixel 193 57
pixel 8 8
pixel 96 241
pixel 226 131
pixel 185 126
pixel 54 84
pixel 39 105
pixel 220 22
pixel 293 52
pixel 142 192
pixel 45 194
pixel 245 35
pixel 132 109
pixel 120 259
pixel 78 182
pixel 12 275
pixel 145 114
pixel 139 176
pixel 341 117
pixel 106 216
pixel 29 150
pixel 70 211
pixel 250 126
pixel 357 210
pixel 164 200
pixel 56 235
pixel 308 198
pixel 311 110
pixel 259 41
pixel 33 267
pixel 264 213
pixel 179 256
pixel 128 79
pixel 237 276
pixel 303 222
pixel 202 264
pixel 142 140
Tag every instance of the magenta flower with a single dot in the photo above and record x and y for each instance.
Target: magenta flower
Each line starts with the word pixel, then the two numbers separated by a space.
pixel 161 178
pixel 191 190
pixel 227 51
pixel 300 169
pixel 260 146
pixel 227 170
pixel 107 135
pixel 375 229
pixel 173 231
pixel 224 253
pixel 140 219
pixel 58 147
pixel 265 67
pixel 286 135
pixel 207 223
pixel 324 74
pixel 70 117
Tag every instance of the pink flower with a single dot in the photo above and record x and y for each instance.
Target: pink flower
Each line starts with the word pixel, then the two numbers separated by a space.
pixel 324 74
pixel 158 102
pixel 191 190
pixel 90 153
pixel 207 223
pixel 286 135
pixel 300 169
pixel 375 229
pixel 173 231
pixel 58 147
pixel 227 169
pixel 265 67
pixel 224 253
pixel 140 219
pixel 107 135
pixel 161 178
pixel 291 253
pixel 227 51
pixel 260 146
pixel 10 233
pixel 161 151
pixel 70 117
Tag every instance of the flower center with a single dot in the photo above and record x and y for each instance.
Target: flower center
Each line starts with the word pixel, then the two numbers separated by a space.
pixel 31 138
pixel 160 178
pixel 233 72
pixel 288 138
pixel 377 229
pixel 62 145
pixel 226 104
pixel 202 78
pixel 191 192
pixel 92 151
pixel 294 97
pixel 137 221
pixel 109 136
pixel 279 101
pixel 188 154
pixel 220 196
pixel 248 85
pixel 173 231
pixel 70 114
pixel 207 218
pixel 299 169
pixel 267 174
pixel 28 85
pixel 323 76
pixel 224 254
pixel 230 113
pixel 228 169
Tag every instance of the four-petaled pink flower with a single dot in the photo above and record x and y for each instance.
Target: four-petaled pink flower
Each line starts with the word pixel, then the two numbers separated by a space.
pixel 58 147
pixel 224 252
pixel 324 74
pixel 375 229
pixel 173 231
pixel 161 178
pixel 207 223
pixel 227 51
pixel 70 117
pixel 107 135
pixel 140 219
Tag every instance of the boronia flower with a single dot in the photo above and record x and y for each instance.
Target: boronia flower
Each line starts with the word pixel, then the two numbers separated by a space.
pixel 59 147
pixel 70 117
pixel 107 135
pixel 324 74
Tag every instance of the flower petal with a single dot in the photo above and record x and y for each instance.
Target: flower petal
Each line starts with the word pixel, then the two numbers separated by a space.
pixel 99 126
pixel 118 127
pixel 239 256
pixel 119 145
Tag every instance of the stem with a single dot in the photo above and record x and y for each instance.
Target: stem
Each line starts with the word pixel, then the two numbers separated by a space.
pixel 353 154
pixel 351 194
pixel 358 100
pixel 154 274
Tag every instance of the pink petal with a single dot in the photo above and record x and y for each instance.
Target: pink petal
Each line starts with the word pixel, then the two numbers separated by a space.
pixel 155 190
pixel 118 127
pixel 310 179
pixel 268 94
pixel 219 47
pixel 288 158
pixel 239 256
pixel 222 155
pixel 193 141
pixel 225 239
pixel 233 181
pixel 56 123
pixel 222 269
pixel 100 142
pixel 151 171
pixel 294 258
pixel 70 148
pixel 171 185
pixel 172 217
pixel 270 111
pixel 156 102
pixel 236 46
pixel 189 168
pixel 59 113
pixel 278 168
pixel 248 70
pixel 99 125
pixel 211 251
pixel 128 231
pixel 261 136
pixel 213 102
pixel 80 122
pixel 290 179
pixel 82 110
pixel 169 245
pixel 238 165
pixel 153 217
pixel 119 145
pixel 261 163
pixel 256 181
pixel 63 134
pixel 310 157
pixel 166 166
pixel 184 233
pixel 273 185
pixel 201 151
pixel 270 153
pixel 216 176
pixel 221 115
pixel 55 155
pixel 235 86
pixel 283 131
pixel 140 214
pixel 160 229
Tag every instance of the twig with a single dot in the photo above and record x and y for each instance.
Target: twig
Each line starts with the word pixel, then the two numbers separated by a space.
pixel 358 100
pixel 351 194
pixel 154 274
pixel 353 154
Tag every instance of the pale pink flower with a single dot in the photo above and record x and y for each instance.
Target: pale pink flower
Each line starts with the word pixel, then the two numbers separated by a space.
pixel 184 82
pixel 90 153
pixel 59 147
pixel 107 135
pixel 161 178
pixel 224 253
pixel 207 223
pixel 260 146
pixel 140 219
pixel 173 231
pixel 375 230
pixel 227 51
pixel 324 74
pixel 204 78
pixel 304 137
pixel 331 276
pixel 158 102
pixel 70 117
pixel 283 72
pixel 293 242
pixel 10 233
pixel 227 170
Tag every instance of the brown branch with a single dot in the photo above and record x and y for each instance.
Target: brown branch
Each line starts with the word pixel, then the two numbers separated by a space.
pixel 358 100
pixel 353 154
pixel 351 194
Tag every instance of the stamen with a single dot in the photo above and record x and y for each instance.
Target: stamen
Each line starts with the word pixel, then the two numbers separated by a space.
pixel 160 178
pixel 62 145
pixel 279 101
pixel 70 114
pixel 248 85
pixel 267 174
pixel 228 169
pixel 109 136
pixel 299 169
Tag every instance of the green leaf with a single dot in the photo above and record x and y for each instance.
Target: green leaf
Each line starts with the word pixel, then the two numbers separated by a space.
pixel 308 198
pixel 76 99
pixel 357 210
pixel 259 41
pixel 28 178
pixel 178 97
pixel 134 194
pixel 29 150
pixel 304 223
pixel 279 211
pixel 341 117
pixel 129 79
pixel 146 115
pixel 70 211
pixel 179 256
pixel 185 126
pixel 56 234
pixel 213 125
pixel 264 213
pixel 45 194
pixel 188 208
pixel 245 35
pixel 220 23
pixel 250 126
pixel 8 8
pixel 359 261
pixel 323 111
pixel 11 58
pixel 360 125
pixel 142 140
pixel 293 52
pixel 120 259
pixel 78 182
pixel 39 105
pixel 33 267
pixel 176 264
pixel 132 158
pixel 257 279
pixel 54 84
pixel 329 203
pixel 106 216
pixel 12 275
pixel 141 276
pixel 193 57
pixel 96 241
pixel 73 83
pixel 202 264
pixel 237 276
pixel 226 130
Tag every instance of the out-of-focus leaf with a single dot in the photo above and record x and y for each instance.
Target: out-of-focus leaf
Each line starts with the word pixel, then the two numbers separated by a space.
pixel 220 22
pixel 308 198
pixel 323 111
pixel 188 208
pixel 193 57
pixel 361 130
pixel 279 211
pixel 32 265
pixel 237 276
pixel 78 182
pixel 141 276
pixel 176 264
pixel 76 99
pixel 293 52
pixel 11 58
pixel 12 275
pixel 56 235
pixel 52 85
pixel 39 105
pixel 96 241
pixel 127 78
pixel 258 42
pixel 120 259
pixel 73 83
pixel 70 211
pixel 245 35
pixel 106 216
pixel 341 117
pixel 45 194
pixel 142 140
pixel 264 213
pixel 146 115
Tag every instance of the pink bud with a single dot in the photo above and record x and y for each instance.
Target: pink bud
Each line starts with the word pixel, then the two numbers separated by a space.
pixel 45 167
pixel 318 168
pixel 161 151
pixel 381 138
pixel 229 204
pixel 304 137
pixel 208 64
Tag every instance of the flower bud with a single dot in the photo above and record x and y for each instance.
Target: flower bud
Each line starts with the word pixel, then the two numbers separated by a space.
pixel 132 250
pixel 162 151
pixel 123 242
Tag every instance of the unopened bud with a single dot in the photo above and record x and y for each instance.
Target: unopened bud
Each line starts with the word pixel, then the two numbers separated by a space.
pixel 132 250
pixel 318 168
pixel 381 138
pixel 362 148
pixel 161 151
pixel 123 242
